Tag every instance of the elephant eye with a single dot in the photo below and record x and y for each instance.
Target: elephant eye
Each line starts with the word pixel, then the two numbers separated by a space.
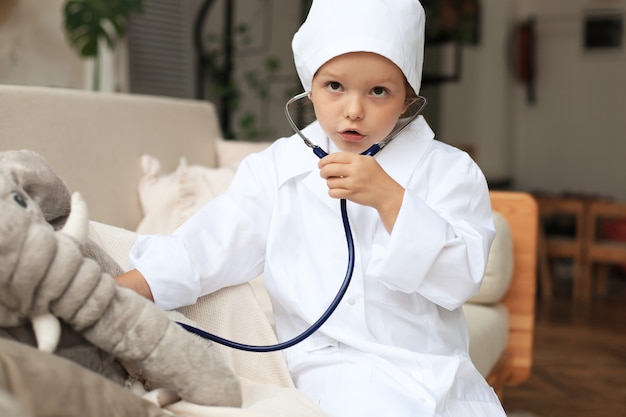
pixel 19 199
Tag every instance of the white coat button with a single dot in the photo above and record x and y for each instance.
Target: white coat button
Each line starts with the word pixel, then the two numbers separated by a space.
pixel 351 301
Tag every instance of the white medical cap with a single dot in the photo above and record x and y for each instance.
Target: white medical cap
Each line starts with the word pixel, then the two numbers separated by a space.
pixel 391 28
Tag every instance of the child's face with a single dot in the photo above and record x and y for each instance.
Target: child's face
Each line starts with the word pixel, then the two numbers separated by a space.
pixel 358 98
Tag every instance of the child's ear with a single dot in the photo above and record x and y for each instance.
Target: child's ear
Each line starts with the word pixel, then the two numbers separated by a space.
pixel 407 103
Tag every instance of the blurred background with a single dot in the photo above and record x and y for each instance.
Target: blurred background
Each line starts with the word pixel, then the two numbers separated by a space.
pixel 533 89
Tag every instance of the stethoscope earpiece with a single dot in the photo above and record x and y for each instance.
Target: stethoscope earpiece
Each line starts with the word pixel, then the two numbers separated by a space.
pixel 417 105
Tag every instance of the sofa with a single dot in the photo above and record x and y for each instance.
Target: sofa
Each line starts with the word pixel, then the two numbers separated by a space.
pixel 145 163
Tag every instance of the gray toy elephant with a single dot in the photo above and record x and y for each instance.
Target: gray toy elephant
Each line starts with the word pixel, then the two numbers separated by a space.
pixel 49 276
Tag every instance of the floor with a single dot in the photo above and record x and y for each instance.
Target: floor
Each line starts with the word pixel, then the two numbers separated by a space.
pixel 579 367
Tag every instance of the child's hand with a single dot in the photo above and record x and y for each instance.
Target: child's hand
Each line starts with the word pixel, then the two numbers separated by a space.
pixel 360 179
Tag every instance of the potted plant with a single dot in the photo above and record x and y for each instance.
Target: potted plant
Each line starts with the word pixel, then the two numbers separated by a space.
pixel 89 22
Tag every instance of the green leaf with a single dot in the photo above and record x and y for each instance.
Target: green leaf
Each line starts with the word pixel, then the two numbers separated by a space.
pixel 88 21
pixel 272 64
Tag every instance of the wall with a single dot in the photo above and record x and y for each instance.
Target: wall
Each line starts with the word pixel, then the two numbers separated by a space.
pixel 573 138
pixel 476 111
pixel 33 48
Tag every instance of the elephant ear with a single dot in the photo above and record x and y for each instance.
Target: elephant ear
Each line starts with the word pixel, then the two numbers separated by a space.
pixel 42 184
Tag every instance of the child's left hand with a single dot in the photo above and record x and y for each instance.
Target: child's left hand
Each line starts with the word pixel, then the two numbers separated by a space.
pixel 360 179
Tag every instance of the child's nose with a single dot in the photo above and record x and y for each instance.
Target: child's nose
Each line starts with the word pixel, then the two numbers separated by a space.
pixel 354 107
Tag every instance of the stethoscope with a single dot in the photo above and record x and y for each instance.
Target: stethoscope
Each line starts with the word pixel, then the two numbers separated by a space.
pixel 420 103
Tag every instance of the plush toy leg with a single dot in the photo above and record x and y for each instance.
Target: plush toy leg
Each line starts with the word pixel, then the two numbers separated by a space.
pixel 44 385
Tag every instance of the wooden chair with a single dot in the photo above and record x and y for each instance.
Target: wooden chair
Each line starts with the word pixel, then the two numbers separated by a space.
pixel 521 213
pixel 601 250
pixel 558 246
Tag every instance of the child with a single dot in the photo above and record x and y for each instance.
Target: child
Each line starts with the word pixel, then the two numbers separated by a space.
pixel 420 214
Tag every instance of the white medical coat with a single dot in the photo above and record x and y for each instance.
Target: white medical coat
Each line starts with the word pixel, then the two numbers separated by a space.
pixel 397 345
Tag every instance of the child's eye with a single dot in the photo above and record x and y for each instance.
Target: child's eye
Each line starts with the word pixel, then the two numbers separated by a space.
pixel 379 91
pixel 334 86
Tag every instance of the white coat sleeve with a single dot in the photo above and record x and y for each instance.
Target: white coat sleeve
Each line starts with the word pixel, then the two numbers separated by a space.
pixel 441 239
pixel 223 244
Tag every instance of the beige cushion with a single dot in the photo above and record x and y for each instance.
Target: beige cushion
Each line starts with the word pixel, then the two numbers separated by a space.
pixel 168 199
pixel 499 271
pixel 488 327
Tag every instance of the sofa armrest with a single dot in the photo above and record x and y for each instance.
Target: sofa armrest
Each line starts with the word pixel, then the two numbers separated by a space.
pixel 521 213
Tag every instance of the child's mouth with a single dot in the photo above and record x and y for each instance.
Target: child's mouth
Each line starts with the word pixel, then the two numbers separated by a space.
pixel 352 135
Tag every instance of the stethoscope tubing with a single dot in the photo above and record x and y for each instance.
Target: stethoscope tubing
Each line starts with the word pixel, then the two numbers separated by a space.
pixel 308 332
pixel 320 153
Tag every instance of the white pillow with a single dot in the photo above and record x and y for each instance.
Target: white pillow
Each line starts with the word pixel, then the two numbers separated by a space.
pixel 499 271
pixel 167 200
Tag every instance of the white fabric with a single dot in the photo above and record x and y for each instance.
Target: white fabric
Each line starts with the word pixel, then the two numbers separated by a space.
pixel 391 28
pixel 166 199
pixel 403 304
pixel 499 272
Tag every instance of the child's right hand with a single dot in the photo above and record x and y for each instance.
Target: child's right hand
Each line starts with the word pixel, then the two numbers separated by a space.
pixel 136 282
pixel 360 179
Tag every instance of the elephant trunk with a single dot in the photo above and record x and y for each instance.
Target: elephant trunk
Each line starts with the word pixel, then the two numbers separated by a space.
pixel 47 327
